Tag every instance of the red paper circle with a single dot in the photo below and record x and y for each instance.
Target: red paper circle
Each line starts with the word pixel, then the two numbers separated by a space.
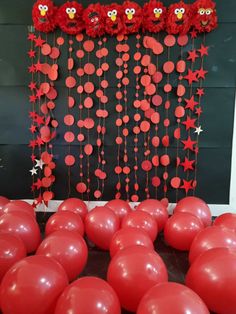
pixel 97 194
pixel 182 40
pixel 155 118
pixel 146 165
pixel 70 82
pixel 88 149
pixel 145 80
pixel 89 68
pixel 170 40
pixel 69 160
pixel 157 48
pixel 89 87
pixel 48 196
pixel 179 112
pixel 46 157
pixel 80 54
pixel 168 88
pixel 145 126
pixel 157 100
pixel 69 137
pixel 181 66
pixel 157 77
pixel 155 161
pixel 156 182
pixel 88 102
pixel 175 182
pixel 80 137
pixel 81 187
pixel 168 67
pixel 55 53
pixel 88 123
pixel 146 60
pixel 60 41
pixel 71 102
pixel 155 141
pixel 69 120
pixel 88 45
pixel 165 160
pixel 46 49
pixel 150 89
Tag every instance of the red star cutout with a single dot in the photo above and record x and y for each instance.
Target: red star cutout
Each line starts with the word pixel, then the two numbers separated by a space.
pixel 191 77
pixel 32 128
pixel 31 36
pixel 39 141
pixel 192 55
pixel 188 144
pixel 189 123
pixel 203 50
pixel 201 73
pixel 33 188
pixel 38 66
pixel 187 186
pixel 38 201
pixel 31 53
pixel 32 85
pixel 39 120
pixel 193 33
pixel 39 93
pixel 191 103
pixel 187 164
pixel 38 184
pixel 32 144
pixel 199 111
pixel 33 157
pixel 39 41
pixel 32 98
pixel 32 114
pixel 32 69
pixel 200 92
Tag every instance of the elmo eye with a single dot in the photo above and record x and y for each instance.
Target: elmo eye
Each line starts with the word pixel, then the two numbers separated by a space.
pixel 114 12
pixel 109 13
pixel 127 11
pixel 177 11
pixel 96 19
pixel 208 12
pixel 201 11
pixel 132 11
pixel 155 11
pixel 73 10
pixel 92 20
pixel 160 11
pixel 182 10
pixel 40 7
pixel 68 10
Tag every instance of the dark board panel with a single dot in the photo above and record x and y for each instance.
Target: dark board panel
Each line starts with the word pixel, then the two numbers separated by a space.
pixel 217 120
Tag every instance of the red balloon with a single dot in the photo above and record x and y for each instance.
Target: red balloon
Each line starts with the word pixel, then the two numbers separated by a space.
pixel 127 237
pixel 88 295
pixel 157 210
pixel 141 220
pixel 195 206
pixel 38 281
pixel 213 277
pixel 3 202
pixel 65 220
pixel 227 221
pixel 101 224
pixel 75 205
pixel 181 229
pixel 12 250
pixel 121 208
pixel 170 297
pixel 23 225
pixel 209 238
pixel 68 248
pixel 19 206
pixel 132 272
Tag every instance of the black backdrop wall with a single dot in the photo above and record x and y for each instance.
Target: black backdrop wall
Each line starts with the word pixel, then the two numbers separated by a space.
pixel 217 120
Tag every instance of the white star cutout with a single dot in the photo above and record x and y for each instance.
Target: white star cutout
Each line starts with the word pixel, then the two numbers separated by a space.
pixel 199 130
pixel 39 164
pixel 33 171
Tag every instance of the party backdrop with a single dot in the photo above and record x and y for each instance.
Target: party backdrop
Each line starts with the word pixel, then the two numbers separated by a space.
pixel 214 159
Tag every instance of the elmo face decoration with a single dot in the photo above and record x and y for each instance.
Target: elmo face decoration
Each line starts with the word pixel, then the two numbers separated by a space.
pixel 132 17
pixel 113 19
pixel 205 18
pixel 44 16
pixel 69 17
pixel 154 14
pixel 178 18
pixel 93 18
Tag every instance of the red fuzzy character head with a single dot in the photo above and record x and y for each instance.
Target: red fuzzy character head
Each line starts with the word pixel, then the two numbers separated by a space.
pixel 113 19
pixel 178 18
pixel 204 16
pixel 132 17
pixel 69 18
pixel 44 16
pixel 93 18
pixel 154 15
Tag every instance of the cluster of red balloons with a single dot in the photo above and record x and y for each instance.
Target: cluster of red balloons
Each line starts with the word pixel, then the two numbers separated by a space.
pixel 137 278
